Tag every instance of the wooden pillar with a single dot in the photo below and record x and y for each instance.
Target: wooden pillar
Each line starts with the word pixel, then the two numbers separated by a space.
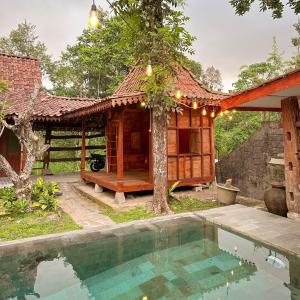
pixel 83 148
pixel 290 116
pixel 46 159
pixel 120 154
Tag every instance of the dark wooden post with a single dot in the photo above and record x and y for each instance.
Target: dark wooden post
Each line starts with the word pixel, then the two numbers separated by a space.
pixel 46 160
pixel 83 148
pixel 290 116
pixel 120 164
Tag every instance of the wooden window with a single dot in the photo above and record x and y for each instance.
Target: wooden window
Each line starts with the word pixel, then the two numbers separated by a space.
pixel 189 141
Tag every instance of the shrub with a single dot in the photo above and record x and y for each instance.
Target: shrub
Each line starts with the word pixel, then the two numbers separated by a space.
pixel 43 197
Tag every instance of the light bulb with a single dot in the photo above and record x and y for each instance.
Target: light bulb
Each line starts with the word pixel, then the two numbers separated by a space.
pixel 230 118
pixel 143 104
pixel 234 111
pixel 213 114
pixel 227 284
pixel 149 70
pixel 221 114
pixel 235 248
pixel 195 105
pixel 204 112
pixel 226 112
pixel 232 272
pixel 178 95
pixel 93 18
pixel 240 263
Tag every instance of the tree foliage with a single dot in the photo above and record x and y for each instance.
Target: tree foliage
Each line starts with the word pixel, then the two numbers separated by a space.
pixel 275 6
pixel 212 79
pixel 97 63
pixel 24 41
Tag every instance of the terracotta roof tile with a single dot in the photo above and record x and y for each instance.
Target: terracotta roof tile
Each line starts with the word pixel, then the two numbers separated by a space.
pixel 187 83
pixel 21 75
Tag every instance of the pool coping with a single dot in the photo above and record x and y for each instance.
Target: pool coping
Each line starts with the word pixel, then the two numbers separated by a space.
pixel 270 230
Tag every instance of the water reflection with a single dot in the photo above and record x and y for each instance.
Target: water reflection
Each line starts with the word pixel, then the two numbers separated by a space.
pixel 180 260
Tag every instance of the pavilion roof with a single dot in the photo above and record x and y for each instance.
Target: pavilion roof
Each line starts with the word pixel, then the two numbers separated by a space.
pixel 22 74
pixel 132 90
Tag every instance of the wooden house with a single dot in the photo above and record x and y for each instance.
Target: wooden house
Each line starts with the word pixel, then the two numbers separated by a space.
pixel 21 75
pixel 129 139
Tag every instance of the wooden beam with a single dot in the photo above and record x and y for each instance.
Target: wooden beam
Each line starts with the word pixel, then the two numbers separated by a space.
pixel 83 149
pixel 290 116
pixel 74 136
pixel 120 154
pixel 266 89
pixel 77 148
pixel 270 109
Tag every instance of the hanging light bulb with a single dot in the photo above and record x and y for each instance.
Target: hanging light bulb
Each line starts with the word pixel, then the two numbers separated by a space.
pixel 204 112
pixel 221 114
pixel 234 111
pixel 178 94
pixel 226 112
pixel 143 104
pixel 230 118
pixel 213 114
pixel 149 70
pixel 195 104
pixel 93 18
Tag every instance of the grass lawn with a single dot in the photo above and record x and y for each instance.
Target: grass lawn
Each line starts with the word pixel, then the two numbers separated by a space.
pixel 33 224
pixel 140 213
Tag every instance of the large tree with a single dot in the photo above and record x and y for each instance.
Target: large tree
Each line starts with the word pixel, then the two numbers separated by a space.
pixel 29 141
pixel 275 6
pixel 25 42
pixel 212 79
pixel 156 30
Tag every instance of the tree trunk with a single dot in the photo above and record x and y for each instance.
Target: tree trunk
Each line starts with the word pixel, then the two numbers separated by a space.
pixel 160 163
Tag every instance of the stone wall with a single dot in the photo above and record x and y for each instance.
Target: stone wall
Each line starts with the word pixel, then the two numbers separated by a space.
pixel 247 165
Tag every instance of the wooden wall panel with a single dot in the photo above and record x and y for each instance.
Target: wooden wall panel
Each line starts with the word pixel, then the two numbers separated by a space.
pixel 196 166
pixel 206 141
pixel 195 143
pixel 207 166
pixel 172 144
pixel 196 118
pixel 184 118
pixel 205 121
pixel 172 168
pixel 172 121
pixel 185 167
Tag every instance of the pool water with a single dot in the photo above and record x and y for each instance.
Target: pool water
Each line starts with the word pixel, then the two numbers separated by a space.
pixel 182 259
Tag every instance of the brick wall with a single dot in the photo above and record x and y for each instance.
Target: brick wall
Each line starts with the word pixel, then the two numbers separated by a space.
pixel 247 165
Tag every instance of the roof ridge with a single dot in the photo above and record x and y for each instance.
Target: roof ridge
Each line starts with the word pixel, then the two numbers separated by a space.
pixel 74 98
pixel 18 56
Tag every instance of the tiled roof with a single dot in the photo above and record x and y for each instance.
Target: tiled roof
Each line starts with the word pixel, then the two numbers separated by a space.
pixel 187 83
pixel 22 74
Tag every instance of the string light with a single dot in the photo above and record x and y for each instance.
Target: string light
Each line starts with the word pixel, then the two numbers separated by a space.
pixel 149 70
pixel 143 104
pixel 93 18
pixel 195 104
pixel 204 112
pixel 213 114
pixel 178 94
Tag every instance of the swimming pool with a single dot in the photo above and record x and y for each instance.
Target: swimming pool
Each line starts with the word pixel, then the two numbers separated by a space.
pixel 184 258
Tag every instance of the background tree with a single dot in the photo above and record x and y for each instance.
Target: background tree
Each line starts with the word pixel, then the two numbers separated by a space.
pixel 31 144
pixel 194 66
pixel 212 79
pixel 25 42
pixel 275 6
pixel 230 134
pixel 97 63
pixel 294 62
pixel 156 32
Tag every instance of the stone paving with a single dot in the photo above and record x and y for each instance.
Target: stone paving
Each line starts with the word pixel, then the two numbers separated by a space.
pixel 274 230
pixel 83 211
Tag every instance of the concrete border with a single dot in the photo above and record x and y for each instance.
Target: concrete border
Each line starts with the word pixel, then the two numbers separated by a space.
pixel 280 234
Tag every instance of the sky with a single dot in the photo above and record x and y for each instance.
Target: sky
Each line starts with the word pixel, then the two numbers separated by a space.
pixel 224 40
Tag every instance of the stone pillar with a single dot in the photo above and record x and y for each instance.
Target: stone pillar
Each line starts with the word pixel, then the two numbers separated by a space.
pixel 290 118
pixel 119 198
